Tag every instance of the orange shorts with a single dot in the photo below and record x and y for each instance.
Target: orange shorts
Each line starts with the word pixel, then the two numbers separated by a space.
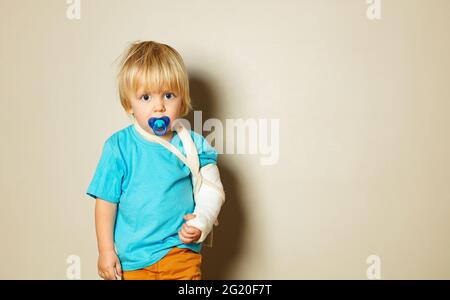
pixel 178 264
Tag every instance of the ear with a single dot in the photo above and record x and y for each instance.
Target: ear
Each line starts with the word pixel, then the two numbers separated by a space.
pixel 181 109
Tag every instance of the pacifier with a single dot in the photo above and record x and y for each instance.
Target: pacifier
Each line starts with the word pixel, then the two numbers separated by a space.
pixel 159 125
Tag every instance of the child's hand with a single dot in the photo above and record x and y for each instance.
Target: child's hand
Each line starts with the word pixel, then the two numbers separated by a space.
pixel 109 265
pixel 189 234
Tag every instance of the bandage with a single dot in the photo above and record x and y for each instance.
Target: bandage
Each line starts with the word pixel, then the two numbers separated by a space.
pixel 207 187
pixel 209 198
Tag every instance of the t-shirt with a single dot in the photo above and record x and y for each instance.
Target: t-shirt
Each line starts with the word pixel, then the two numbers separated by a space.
pixel 153 191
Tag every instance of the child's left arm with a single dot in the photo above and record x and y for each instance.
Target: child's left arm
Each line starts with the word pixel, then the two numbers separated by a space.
pixel 209 200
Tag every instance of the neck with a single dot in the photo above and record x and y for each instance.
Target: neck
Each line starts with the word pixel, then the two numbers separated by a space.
pixel 167 136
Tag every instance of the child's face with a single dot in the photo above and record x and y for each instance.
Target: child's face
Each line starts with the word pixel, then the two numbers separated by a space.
pixel 147 104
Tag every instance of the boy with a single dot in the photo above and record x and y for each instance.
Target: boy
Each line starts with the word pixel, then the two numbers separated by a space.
pixel 144 193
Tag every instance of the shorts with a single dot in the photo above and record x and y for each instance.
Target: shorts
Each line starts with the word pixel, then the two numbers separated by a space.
pixel 178 264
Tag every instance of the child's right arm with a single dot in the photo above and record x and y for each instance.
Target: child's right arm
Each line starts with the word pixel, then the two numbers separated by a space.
pixel 108 262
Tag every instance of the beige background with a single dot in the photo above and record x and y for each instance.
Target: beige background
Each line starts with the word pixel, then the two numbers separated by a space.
pixel 363 107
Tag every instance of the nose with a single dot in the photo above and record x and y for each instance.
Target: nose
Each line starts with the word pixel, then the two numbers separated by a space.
pixel 159 105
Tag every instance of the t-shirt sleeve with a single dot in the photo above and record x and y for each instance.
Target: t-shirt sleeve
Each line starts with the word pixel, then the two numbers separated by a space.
pixel 206 153
pixel 107 180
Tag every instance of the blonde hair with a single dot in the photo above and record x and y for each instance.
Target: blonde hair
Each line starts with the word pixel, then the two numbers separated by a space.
pixel 152 65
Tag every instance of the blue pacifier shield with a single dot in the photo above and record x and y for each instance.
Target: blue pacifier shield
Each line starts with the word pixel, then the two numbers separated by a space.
pixel 159 125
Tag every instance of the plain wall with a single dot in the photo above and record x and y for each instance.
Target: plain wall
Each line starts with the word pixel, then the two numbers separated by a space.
pixel 363 108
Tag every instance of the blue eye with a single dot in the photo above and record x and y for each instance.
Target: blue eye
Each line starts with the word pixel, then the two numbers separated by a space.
pixel 145 97
pixel 169 94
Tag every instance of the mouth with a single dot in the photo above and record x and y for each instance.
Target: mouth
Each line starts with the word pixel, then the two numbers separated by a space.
pixel 159 125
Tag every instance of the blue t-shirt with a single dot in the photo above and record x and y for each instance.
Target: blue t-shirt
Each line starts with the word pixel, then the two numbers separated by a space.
pixel 153 191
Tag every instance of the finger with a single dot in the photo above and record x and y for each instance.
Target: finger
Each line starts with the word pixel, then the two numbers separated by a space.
pixel 103 273
pixel 110 275
pixel 187 241
pixel 187 232
pixel 104 276
pixel 184 237
pixel 190 229
pixel 184 240
pixel 189 216
pixel 188 235
pixel 118 268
